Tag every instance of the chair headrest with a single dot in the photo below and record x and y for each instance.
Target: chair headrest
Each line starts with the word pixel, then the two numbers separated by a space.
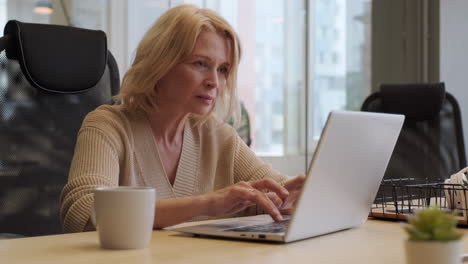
pixel 417 101
pixel 57 58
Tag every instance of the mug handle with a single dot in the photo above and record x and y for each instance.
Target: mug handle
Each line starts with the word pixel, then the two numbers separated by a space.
pixel 464 257
pixel 93 216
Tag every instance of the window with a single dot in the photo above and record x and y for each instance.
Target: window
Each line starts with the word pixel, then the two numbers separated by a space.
pixel 340 64
pixel 338 67
pixel 3 12
pixel 22 11
pixel 273 65
pixel 301 59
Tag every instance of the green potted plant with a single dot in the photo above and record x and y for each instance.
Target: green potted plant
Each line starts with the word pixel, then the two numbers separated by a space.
pixel 433 238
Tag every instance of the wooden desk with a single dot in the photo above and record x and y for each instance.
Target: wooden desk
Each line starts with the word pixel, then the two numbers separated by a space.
pixel 374 242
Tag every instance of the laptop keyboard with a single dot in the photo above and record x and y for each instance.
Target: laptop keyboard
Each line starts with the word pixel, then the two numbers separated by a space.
pixel 275 227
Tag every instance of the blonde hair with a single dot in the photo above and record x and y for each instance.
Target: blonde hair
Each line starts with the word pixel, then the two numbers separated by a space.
pixel 167 43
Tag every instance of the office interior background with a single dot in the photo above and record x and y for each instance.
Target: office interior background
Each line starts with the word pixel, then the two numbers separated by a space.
pixel 301 58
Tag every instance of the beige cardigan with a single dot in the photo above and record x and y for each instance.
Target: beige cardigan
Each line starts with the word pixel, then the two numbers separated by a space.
pixel 115 147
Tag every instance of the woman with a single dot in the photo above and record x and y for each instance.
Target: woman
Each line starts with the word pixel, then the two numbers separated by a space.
pixel 164 132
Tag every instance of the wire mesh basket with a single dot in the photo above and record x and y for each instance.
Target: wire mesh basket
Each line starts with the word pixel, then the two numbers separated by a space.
pixel 399 198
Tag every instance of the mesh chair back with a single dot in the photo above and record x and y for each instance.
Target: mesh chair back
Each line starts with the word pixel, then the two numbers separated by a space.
pixel 38 129
pixel 431 145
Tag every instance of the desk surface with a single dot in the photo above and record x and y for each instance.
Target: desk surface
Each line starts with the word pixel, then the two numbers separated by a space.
pixel 374 242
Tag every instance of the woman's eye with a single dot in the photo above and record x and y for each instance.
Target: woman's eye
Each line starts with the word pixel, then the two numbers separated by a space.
pixel 200 63
pixel 223 70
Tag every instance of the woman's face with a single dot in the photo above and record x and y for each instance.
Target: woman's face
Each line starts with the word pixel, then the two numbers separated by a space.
pixel 193 85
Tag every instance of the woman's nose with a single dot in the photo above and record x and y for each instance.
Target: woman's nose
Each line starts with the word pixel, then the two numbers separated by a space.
pixel 212 80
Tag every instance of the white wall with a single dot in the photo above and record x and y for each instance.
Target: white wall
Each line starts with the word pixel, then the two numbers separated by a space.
pixel 454 54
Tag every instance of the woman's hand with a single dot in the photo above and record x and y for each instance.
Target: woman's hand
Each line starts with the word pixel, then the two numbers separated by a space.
pixel 294 187
pixel 241 195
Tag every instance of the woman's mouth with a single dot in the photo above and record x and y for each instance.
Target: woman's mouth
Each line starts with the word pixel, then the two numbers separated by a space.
pixel 206 99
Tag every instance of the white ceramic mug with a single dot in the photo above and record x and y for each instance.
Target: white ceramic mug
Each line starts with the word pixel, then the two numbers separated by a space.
pixel 124 216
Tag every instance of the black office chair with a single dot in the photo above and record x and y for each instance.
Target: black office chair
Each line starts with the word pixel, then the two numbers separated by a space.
pixel 50 78
pixel 431 146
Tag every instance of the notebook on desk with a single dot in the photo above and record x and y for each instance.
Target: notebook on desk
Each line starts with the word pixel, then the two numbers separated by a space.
pixel 341 184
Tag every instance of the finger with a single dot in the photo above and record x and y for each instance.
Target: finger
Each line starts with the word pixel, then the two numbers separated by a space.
pixel 287 211
pixel 295 183
pixel 300 179
pixel 291 200
pixel 271 185
pixel 262 200
pixel 244 184
pixel 275 199
pixel 238 193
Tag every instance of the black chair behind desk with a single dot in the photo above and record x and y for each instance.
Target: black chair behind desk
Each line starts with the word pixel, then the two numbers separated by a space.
pixel 431 146
pixel 50 78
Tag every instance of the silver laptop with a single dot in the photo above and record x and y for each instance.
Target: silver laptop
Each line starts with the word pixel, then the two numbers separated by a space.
pixel 342 181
